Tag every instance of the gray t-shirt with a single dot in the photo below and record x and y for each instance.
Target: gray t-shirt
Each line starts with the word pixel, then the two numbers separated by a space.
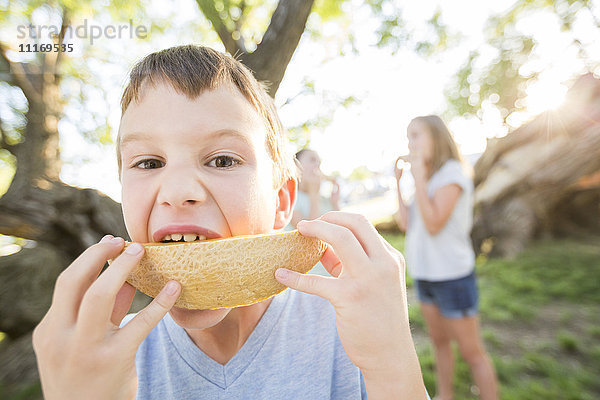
pixel 303 204
pixel 293 353
pixel 448 254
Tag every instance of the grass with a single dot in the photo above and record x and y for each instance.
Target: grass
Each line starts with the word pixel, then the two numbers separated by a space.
pixel 540 323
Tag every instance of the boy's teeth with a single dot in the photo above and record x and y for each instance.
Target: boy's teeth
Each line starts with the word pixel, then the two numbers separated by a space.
pixel 176 236
pixel 189 237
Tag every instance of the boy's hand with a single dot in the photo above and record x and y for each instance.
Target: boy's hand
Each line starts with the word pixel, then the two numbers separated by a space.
pixel 368 292
pixel 81 351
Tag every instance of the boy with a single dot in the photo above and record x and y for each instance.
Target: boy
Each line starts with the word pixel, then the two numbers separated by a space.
pixel 201 151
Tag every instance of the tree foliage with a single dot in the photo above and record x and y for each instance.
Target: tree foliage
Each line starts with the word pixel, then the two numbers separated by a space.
pixel 501 71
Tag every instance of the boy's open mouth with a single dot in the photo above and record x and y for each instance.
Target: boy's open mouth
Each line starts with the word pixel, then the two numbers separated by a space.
pixel 183 233
pixel 182 237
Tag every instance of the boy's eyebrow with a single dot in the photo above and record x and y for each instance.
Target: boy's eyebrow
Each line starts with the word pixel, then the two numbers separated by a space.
pixel 133 137
pixel 143 136
pixel 230 132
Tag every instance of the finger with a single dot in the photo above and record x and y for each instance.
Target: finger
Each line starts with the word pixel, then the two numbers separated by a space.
pixel 395 251
pixel 74 281
pixel 122 303
pixel 134 333
pixel 341 239
pixel 362 229
pixel 322 286
pixel 331 262
pixel 99 301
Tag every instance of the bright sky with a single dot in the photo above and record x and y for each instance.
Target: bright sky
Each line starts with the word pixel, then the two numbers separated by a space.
pixel 393 89
pixel 405 85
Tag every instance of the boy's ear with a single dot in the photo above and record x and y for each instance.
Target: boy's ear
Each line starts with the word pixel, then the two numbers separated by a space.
pixel 286 198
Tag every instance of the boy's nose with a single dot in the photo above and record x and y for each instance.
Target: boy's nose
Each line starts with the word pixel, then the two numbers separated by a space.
pixel 181 191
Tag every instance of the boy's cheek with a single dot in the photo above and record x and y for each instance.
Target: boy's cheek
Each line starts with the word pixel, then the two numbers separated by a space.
pixel 135 201
pixel 132 223
pixel 130 187
pixel 251 213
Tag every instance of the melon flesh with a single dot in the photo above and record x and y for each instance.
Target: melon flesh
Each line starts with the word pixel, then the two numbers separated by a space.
pixel 224 273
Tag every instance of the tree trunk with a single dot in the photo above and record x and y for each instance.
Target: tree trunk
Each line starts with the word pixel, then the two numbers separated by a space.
pixel 542 177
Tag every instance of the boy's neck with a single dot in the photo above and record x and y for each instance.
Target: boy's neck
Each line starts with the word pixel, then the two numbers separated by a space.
pixel 222 341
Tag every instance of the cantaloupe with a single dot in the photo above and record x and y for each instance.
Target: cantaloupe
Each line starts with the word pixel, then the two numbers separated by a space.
pixel 227 272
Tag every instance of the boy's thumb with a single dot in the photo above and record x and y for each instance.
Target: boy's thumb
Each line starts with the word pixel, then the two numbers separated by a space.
pixel 141 325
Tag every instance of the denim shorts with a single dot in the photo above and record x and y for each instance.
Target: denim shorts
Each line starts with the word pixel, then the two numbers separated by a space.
pixel 456 298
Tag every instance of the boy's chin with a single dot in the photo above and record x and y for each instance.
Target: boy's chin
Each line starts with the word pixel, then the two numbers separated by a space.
pixel 198 319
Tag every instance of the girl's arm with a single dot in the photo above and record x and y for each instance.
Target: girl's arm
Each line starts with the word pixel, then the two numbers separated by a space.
pixel 401 216
pixel 314 209
pixel 335 196
pixel 435 210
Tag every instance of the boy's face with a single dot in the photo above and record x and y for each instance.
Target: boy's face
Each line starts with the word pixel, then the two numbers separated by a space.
pixel 198 166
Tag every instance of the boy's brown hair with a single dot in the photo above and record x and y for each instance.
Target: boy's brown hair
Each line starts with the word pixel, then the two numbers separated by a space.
pixel 191 70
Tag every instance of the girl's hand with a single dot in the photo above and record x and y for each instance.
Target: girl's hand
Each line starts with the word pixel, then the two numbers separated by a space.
pixel 311 179
pixel 418 167
pixel 81 351
pixel 367 290
pixel 335 195
pixel 398 170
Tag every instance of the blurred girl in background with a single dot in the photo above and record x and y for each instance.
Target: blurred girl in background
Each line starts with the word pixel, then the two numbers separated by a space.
pixel 310 204
pixel 439 252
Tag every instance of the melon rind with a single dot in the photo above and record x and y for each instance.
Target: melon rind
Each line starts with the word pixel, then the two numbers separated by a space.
pixel 227 272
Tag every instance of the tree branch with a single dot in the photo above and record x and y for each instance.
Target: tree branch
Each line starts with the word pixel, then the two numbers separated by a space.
pixel 270 59
pixel 50 63
pixel 18 73
pixel 60 40
pixel 210 12
pixel 241 42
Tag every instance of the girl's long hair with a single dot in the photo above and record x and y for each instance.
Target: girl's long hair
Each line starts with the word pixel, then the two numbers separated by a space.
pixel 444 146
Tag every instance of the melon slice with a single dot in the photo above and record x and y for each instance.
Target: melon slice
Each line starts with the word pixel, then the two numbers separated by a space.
pixel 229 272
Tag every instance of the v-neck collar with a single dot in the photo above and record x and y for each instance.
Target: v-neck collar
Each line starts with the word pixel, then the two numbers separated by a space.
pixel 224 375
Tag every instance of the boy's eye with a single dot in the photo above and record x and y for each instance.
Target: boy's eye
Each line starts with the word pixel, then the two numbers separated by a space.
pixel 223 162
pixel 150 164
